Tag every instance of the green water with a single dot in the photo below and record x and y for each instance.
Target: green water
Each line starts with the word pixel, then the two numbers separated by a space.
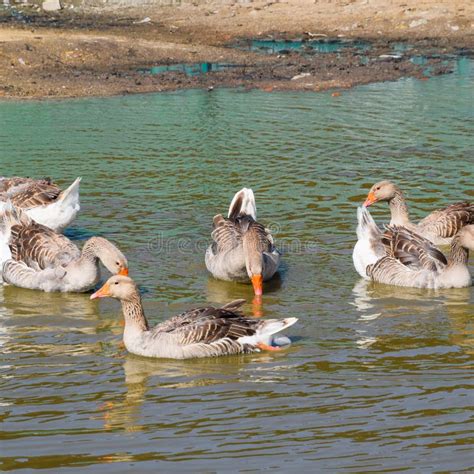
pixel 377 378
pixel 191 70
pixel 271 46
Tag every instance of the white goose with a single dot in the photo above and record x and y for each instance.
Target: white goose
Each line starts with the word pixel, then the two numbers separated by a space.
pixel 402 257
pixel 201 332
pixel 243 249
pixel 42 200
pixel 34 256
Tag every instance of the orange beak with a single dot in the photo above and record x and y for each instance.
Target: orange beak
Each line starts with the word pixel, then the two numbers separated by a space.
pixel 257 282
pixel 370 199
pixel 102 292
pixel 123 271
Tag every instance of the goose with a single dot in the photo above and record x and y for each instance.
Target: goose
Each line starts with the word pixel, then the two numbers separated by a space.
pixel 439 227
pixel 201 332
pixel 42 200
pixel 34 256
pixel 242 248
pixel 402 257
pixel 414 261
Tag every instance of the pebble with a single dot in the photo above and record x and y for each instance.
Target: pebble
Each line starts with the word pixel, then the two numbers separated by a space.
pixel 416 23
pixel 51 5
pixel 299 76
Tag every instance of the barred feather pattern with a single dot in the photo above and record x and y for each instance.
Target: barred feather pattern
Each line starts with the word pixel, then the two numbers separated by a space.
pixel 21 275
pixel 27 193
pixel 229 234
pixel 413 261
pixel 391 271
pixel 411 249
pixel 40 247
pixel 440 226
pixel 449 221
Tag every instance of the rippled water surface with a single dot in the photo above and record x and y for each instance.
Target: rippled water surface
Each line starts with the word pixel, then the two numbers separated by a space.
pixel 377 378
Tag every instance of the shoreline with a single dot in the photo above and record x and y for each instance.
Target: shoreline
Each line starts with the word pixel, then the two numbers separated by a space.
pixel 72 54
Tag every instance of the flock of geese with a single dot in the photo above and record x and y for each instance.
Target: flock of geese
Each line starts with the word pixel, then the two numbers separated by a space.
pixel 35 254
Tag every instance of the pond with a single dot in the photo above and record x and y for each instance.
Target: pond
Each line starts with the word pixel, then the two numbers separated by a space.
pixel 331 45
pixel 377 377
pixel 192 69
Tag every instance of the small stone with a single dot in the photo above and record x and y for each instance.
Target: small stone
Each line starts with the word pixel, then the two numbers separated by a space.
pixel 300 76
pixel 416 23
pixel 51 5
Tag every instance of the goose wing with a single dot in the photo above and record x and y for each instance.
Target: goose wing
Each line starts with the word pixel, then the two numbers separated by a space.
pixel 411 249
pixel 210 324
pixel 39 246
pixel 448 221
pixel 226 235
pixel 27 193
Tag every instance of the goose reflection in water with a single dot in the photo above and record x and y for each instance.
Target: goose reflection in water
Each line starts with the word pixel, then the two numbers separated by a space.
pixel 376 301
pixel 459 304
pixel 166 379
pixel 142 375
pixel 23 313
pixel 220 291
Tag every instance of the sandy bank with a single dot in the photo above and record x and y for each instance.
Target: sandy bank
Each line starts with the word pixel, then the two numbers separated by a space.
pixel 99 52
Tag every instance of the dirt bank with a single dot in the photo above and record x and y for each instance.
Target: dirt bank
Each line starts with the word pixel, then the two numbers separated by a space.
pixel 75 52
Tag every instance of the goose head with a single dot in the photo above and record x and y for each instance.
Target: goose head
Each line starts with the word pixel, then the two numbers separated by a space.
pixel 118 286
pixel 381 191
pixel 112 258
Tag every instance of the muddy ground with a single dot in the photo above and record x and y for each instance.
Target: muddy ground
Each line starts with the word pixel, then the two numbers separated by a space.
pixel 78 52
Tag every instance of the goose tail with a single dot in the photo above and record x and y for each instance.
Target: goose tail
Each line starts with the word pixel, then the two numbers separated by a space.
pixel 62 212
pixel 368 248
pixel 266 330
pixel 70 196
pixel 243 204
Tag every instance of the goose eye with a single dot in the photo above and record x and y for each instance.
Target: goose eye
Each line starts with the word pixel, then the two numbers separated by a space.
pixel 116 283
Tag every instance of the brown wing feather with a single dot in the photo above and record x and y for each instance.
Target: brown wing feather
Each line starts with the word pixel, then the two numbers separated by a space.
pixel 26 193
pixel 448 221
pixel 40 247
pixel 259 235
pixel 207 325
pixel 227 235
pixel 411 249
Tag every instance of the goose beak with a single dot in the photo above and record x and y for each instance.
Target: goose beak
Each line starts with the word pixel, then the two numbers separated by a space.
pixel 123 271
pixel 102 292
pixel 257 282
pixel 370 199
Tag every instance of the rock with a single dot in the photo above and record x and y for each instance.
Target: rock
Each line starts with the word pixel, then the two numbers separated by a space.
pixel 299 76
pixel 51 5
pixel 416 23
pixel 147 19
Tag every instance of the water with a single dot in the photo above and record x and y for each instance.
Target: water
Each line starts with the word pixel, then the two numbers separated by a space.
pixel 271 46
pixel 377 378
pixel 191 70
